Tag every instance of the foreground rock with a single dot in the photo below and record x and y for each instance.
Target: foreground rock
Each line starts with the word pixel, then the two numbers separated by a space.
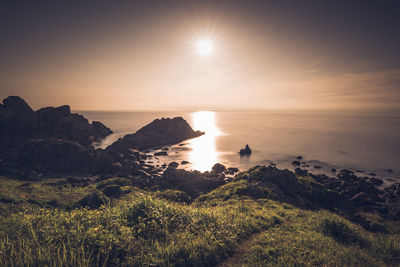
pixel 159 132
pixel 357 197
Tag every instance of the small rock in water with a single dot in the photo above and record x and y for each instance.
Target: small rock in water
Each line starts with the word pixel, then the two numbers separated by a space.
pixel 372 174
pixel 161 153
pixel 296 163
pixel 389 170
pixel 317 167
pixel 184 162
pixel 165 149
pixel 299 157
pixel 233 169
pixel 245 151
pixel 333 170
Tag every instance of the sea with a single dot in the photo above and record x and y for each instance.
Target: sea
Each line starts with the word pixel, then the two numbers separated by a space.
pixel 368 144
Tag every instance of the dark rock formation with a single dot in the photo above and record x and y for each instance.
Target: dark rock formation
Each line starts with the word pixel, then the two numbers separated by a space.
pixel 57 156
pixel 283 182
pixel 159 132
pixel 231 170
pixel 173 164
pixel 218 168
pixel 93 200
pixel 161 153
pixel 245 151
pixel 296 163
pixel 301 172
pixel 19 124
pixel 113 191
pixel 375 181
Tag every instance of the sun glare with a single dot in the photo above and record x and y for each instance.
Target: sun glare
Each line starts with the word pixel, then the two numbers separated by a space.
pixel 205 47
pixel 204 152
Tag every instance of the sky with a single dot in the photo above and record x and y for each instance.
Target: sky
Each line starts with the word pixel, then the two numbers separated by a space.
pixel 141 55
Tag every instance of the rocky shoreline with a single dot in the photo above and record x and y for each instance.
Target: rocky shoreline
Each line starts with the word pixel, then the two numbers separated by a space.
pixel 53 142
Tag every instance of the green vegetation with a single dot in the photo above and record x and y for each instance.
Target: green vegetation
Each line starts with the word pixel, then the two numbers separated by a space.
pixel 41 225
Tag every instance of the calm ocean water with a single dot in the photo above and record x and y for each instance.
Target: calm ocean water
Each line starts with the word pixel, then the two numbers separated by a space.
pixel 359 142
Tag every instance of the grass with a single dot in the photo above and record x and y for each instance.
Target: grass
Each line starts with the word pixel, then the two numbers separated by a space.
pixel 153 228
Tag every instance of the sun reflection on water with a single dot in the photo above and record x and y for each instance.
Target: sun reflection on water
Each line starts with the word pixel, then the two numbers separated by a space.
pixel 204 153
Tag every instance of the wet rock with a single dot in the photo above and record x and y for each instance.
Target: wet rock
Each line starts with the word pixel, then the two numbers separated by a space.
pixel 317 167
pixel 159 132
pixel 161 153
pixel 296 163
pixel 299 157
pixel 375 181
pixel 233 169
pixel 184 162
pixel 301 172
pixel 218 168
pixel 173 164
pixel 245 151
pixel 333 170
pixel 347 175
pixel 389 170
pixel 372 174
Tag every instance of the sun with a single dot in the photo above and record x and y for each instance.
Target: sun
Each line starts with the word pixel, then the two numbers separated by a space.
pixel 205 47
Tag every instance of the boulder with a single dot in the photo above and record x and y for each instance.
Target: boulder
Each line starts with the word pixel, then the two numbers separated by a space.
pixel 160 132
pixel 375 181
pixel 161 153
pixel 233 170
pixel 283 182
pixel 301 172
pixel 245 151
pixel 113 191
pixel 218 168
pixel 173 164
pixel 296 163
pixel 93 200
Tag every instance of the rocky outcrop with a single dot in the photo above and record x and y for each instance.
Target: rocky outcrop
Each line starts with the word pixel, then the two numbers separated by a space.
pixel 283 182
pixel 93 200
pixel 245 151
pixel 19 124
pixel 159 132
pixel 57 156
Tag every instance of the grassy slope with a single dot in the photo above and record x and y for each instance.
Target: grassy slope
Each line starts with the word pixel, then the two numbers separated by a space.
pixel 147 228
